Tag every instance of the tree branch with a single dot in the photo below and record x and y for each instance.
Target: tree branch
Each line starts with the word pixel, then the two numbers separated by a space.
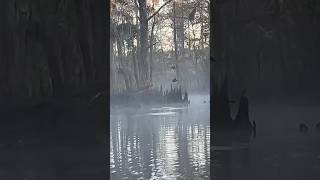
pixel 157 11
pixel 136 3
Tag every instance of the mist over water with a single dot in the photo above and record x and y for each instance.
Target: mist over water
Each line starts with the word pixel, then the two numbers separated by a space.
pixel 161 142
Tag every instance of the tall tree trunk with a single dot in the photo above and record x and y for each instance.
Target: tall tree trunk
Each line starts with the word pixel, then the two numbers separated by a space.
pixel 143 64
pixel 176 55
pixel 135 66
pixel 151 48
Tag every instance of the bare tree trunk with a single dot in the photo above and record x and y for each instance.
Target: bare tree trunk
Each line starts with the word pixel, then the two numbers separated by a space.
pixel 151 48
pixel 126 78
pixel 143 64
pixel 135 68
pixel 175 40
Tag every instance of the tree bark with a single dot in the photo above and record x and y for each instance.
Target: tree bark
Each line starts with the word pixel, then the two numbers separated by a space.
pixel 143 64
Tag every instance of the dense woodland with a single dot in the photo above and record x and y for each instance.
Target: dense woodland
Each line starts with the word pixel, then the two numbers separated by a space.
pixel 53 57
pixel 52 48
pixel 157 43
pixel 270 47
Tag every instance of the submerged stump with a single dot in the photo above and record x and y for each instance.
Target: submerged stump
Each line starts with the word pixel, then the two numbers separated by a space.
pixel 242 120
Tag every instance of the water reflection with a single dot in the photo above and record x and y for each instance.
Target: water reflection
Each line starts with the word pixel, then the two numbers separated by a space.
pixel 161 143
pixel 279 151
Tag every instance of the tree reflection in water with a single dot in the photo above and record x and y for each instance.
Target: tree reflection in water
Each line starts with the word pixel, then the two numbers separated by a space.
pixel 161 145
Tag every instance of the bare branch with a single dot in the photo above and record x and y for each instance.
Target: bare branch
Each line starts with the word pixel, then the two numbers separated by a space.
pixel 157 11
pixel 136 3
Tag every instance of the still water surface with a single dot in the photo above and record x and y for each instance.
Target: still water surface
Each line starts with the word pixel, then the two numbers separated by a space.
pixel 161 142
pixel 278 152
